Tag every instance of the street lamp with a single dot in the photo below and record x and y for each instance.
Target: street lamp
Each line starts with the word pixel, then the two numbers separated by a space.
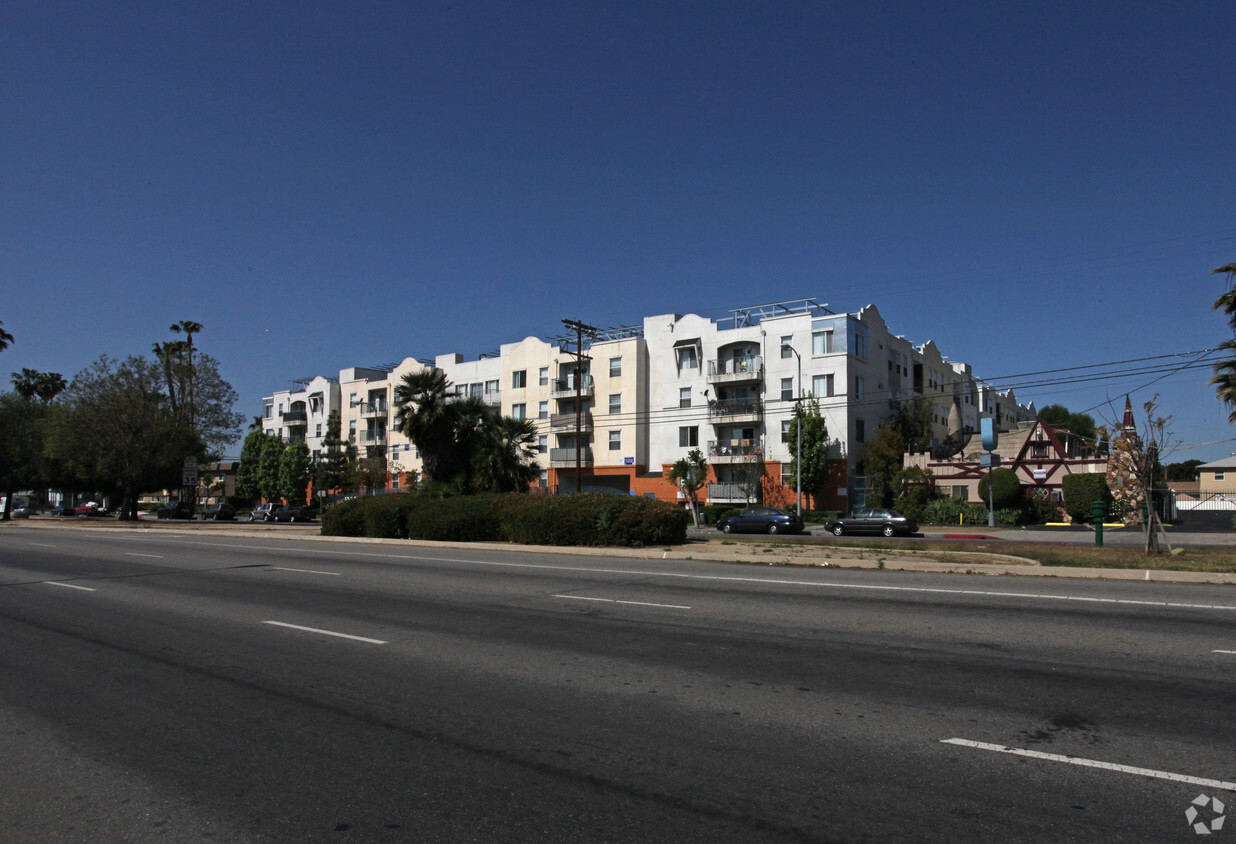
pixel 798 416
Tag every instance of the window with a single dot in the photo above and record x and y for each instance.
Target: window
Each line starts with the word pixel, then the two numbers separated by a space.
pixel 684 397
pixel 860 431
pixel 787 346
pixel 543 482
pixel 542 376
pixel 268 410
pixel 822 385
pixel 1219 476
pixel 860 387
pixel 615 440
pixel 689 436
pixel 351 429
pixel 615 367
pixel 787 389
pixel 519 411
pixel 519 379
pixel 688 358
pixel 785 430
pixel 394 480
pixel 542 443
pixel 787 475
pixel 615 402
pixel 318 430
pixel 542 410
pixel 352 400
pixel 491 386
pixel 822 342
pixel 859 349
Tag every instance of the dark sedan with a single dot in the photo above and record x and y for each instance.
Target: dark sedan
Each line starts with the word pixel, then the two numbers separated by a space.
pixel 219 512
pixel 174 510
pixel 293 513
pixel 761 520
pixel 875 520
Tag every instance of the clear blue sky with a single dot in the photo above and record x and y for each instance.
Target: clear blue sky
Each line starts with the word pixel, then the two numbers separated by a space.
pixel 1034 186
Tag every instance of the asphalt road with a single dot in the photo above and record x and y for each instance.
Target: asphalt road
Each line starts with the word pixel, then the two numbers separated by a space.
pixel 156 687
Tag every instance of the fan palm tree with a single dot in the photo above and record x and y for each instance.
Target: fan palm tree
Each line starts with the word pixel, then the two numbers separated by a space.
pixel 6 339
pixel 426 414
pixel 506 458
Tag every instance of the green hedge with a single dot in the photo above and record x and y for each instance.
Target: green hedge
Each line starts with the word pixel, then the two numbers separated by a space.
pixel 587 519
pixel 1082 488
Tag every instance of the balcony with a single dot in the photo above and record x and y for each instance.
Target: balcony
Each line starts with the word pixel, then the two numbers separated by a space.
pixel 372 438
pixel 373 410
pixel 736 370
pixel 721 452
pixel 564 458
pixel 731 493
pixel 565 422
pixel 565 388
pixel 295 418
pixel 723 411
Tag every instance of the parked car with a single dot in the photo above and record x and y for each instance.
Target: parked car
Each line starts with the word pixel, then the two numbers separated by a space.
pixel 219 512
pixel 64 510
pixel 761 520
pixel 22 512
pixel 91 508
pixel 263 512
pixel 874 520
pixel 174 510
pixel 295 513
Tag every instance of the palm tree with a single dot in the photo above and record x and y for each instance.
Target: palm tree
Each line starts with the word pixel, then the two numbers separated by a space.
pixel 6 339
pixel 189 327
pixel 424 414
pixel 506 458
pixel 1224 379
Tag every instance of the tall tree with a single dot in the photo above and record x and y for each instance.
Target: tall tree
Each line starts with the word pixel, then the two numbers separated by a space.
pixel 188 328
pixel 1224 379
pixel 689 474
pixel 294 472
pixel 114 428
pixel 23 423
pixel 336 466
pixel 6 339
pixel 815 446
pixel 268 467
pixel 250 460
pixel 913 420
pixel 885 455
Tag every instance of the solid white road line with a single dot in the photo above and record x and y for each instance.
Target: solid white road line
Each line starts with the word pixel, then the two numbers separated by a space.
pixel 305 571
pixel 1223 652
pixel 632 603
pixel 326 632
pixel 69 585
pixel 1093 763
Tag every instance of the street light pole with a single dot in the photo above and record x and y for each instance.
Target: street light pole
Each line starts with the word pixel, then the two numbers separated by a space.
pixel 799 436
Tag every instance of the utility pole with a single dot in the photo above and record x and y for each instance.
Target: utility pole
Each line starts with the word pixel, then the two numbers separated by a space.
pixel 580 329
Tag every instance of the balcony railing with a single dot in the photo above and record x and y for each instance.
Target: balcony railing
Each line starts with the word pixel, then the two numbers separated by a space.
pixel 724 492
pixel 751 406
pixel 561 458
pixel 295 417
pixel 728 370
pixel 566 422
pixel 566 387
pixel 734 450
pixel 373 410
pixel 372 437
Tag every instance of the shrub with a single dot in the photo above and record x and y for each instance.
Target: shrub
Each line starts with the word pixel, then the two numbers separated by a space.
pixel 1007 487
pixel 599 520
pixel 1080 490
pixel 344 519
pixel 467 518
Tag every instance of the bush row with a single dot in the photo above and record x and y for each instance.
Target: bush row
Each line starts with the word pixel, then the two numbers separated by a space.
pixel 533 520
